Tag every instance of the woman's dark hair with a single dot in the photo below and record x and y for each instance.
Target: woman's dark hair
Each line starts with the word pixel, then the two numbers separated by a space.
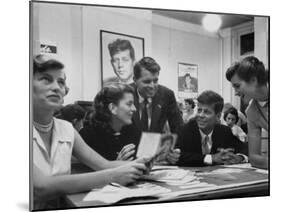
pixel 71 112
pixel 42 63
pixel 246 69
pixel 232 111
pixel 112 93
pixel 191 102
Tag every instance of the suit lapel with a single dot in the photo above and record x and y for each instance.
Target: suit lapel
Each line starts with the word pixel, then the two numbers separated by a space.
pixel 136 115
pixel 215 139
pixel 197 137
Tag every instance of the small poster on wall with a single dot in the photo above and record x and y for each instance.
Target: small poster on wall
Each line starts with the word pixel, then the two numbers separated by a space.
pixel 187 80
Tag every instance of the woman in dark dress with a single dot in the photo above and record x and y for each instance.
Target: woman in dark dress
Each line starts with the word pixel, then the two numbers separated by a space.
pixel 111 133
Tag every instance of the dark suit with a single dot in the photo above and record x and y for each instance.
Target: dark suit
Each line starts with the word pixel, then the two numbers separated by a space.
pixel 164 108
pixel 189 142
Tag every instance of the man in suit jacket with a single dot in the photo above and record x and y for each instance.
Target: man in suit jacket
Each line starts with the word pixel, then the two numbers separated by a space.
pixel 161 102
pixel 155 104
pixel 205 142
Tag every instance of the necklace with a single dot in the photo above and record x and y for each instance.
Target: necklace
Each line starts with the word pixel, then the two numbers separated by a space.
pixel 43 128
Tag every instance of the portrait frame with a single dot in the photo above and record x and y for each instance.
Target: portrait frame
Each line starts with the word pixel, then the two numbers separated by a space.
pixel 107 37
pixel 190 71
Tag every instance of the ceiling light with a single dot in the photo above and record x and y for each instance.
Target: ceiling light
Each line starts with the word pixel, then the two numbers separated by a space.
pixel 211 22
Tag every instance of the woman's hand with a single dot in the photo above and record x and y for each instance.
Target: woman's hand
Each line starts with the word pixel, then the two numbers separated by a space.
pixel 173 156
pixel 128 173
pixel 127 153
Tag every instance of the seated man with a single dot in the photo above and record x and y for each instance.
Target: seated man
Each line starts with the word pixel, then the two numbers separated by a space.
pixel 205 142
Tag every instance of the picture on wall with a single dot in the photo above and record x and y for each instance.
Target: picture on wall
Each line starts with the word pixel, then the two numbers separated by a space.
pixel 187 80
pixel 119 52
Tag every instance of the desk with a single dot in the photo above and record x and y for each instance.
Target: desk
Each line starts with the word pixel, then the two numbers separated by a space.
pixel 247 183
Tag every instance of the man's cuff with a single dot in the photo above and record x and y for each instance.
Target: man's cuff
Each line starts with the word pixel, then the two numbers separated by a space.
pixel 208 159
pixel 245 158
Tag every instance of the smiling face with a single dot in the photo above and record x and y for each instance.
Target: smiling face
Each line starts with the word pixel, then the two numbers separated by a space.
pixel 147 83
pixel 49 89
pixel 123 111
pixel 123 64
pixel 243 88
pixel 206 117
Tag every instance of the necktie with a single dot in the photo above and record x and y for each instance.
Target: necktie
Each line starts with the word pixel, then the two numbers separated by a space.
pixel 205 147
pixel 144 116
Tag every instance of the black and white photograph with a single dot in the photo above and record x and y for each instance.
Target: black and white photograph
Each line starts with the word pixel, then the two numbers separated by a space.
pixel 119 54
pixel 103 78
pixel 188 80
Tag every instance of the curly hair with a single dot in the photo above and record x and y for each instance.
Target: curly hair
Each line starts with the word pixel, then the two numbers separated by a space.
pixel 112 93
pixel 191 102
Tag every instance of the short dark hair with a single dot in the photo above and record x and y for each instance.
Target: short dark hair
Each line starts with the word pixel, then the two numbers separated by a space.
pixel 112 93
pixel 42 63
pixel 187 75
pixel 120 45
pixel 211 98
pixel 147 63
pixel 246 69
pixel 190 101
pixel 71 112
pixel 232 111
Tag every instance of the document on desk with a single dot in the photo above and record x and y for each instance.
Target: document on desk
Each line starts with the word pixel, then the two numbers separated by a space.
pixel 112 194
pixel 171 176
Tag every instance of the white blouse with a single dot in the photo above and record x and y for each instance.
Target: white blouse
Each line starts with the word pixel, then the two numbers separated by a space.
pixel 59 161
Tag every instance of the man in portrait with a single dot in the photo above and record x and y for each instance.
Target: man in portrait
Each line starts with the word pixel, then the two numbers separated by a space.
pixel 122 60
pixel 188 83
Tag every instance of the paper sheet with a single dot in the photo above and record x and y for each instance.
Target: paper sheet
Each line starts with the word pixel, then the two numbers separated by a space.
pixel 111 194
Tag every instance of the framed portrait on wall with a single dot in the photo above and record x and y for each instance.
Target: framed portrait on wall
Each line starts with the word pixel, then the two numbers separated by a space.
pixel 119 52
pixel 187 80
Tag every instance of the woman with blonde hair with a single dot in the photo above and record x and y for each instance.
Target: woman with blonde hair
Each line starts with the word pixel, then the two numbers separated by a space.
pixel 54 141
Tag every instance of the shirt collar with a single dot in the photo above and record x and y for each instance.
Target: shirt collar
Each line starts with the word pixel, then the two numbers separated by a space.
pixel 203 135
pixel 141 99
pixel 262 103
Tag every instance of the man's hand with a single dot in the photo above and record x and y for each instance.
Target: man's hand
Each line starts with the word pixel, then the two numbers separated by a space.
pixel 127 152
pixel 173 156
pixel 218 158
pixel 231 158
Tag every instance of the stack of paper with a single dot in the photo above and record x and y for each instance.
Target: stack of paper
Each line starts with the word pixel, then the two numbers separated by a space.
pixel 171 176
pixel 112 193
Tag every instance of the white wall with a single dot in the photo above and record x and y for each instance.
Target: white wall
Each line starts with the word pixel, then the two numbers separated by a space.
pixel 75 30
pixel 186 45
pixel 261 39
pixel 60 25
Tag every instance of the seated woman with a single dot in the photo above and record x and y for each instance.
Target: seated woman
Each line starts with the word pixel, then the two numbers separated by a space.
pixel 189 110
pixel 55 140
pixel 249 79
pixel 231 118
pixel 111 133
